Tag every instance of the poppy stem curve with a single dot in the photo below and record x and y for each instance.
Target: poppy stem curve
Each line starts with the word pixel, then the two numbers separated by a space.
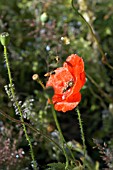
pixel 103 54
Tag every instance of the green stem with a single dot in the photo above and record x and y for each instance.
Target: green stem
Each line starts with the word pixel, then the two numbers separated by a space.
pixel 59 129
pixel 31 127
pixel 91 30
pixel 82 134
pixel 19 109
pixel 61 135
pixel 104 60
pixel 8 68
pixel 109 98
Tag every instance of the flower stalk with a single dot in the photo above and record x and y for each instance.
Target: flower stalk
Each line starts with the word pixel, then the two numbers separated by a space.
pixel 82 134
pixel 31 127
pixel 61 136
pixel 4 41
pixel 103 59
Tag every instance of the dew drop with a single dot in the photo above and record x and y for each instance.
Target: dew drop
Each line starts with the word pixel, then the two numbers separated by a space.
pixel 23 152
pixel 54 134
pixel 20 102
pixel 12 154
pixel 31 100
pixel 48 48
pixel 34 163
pixel 17 156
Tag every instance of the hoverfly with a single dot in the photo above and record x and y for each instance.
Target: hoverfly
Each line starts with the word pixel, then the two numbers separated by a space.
pixel 69 85
pixel 49 73
pixel 57 58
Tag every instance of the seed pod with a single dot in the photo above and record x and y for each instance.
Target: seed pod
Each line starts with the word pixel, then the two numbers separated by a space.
pixel 5 38
pixel 44 17
pixel 35 77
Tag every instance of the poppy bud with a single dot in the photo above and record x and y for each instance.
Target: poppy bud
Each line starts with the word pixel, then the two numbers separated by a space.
pixel 4 38
pixel 44 17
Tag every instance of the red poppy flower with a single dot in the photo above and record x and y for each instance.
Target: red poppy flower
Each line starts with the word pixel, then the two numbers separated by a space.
pixel 67 82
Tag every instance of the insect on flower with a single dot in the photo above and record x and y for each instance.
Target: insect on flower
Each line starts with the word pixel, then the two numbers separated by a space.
pixel 69 85
pixel 49 73
pixel 57 59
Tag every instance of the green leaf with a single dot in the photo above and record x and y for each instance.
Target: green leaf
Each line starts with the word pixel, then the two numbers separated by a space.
pixel 61 166
pixel 57 166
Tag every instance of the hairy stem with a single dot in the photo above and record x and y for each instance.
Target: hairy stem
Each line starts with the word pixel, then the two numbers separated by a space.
pixel 82 135
pixel 19 108
pixel 61 136
pixel 109 98
pixel 31 127
pixel 104 60
pixel 59 129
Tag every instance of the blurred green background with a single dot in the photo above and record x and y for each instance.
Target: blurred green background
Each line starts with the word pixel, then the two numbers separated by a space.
pixel 43 34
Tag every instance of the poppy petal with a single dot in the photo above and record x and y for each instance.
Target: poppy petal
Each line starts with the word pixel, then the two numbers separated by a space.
pixel 65 106
pixel 74 64
pixel 58 81
pixel 74 97
pixel 56 98
pixel 69 104
pixel 80 81
pixel 67 82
